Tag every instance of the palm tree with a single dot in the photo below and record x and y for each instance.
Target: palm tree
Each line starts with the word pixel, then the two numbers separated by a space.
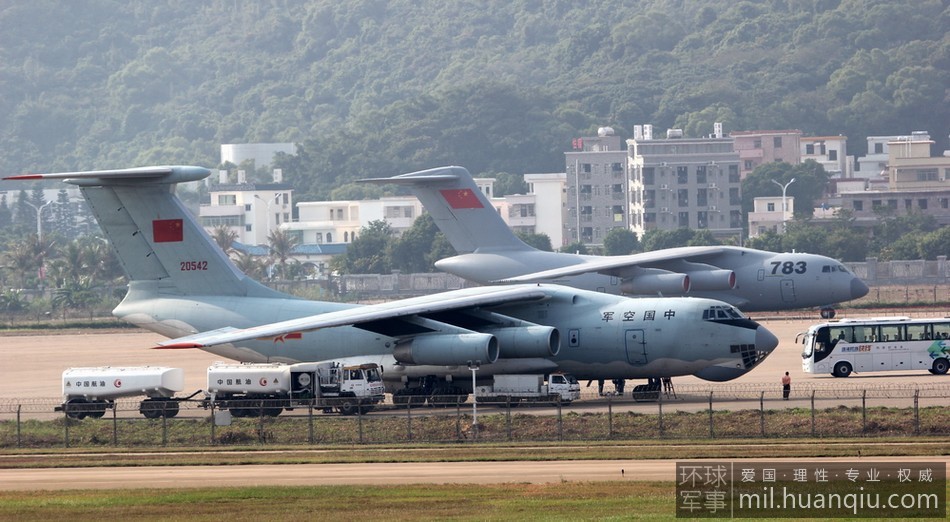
pixel 225 237
pixel 249 264
pixel 282 245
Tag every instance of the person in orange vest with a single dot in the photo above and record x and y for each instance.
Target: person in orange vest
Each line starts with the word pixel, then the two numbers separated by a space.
pixel 786 386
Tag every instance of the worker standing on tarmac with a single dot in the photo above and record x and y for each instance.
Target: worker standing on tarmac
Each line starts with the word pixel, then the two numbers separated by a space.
pixel 786 386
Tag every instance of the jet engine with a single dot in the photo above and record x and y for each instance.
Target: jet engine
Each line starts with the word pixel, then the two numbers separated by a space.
pixel 652 284
pixel 528 341
pixel 712 280
pixel 448 350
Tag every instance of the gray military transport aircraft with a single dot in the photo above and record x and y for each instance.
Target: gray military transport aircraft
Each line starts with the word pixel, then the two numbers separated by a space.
pixel 752 280
pixel 181 285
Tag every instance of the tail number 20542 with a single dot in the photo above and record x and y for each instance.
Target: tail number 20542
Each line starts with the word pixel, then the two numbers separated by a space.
pixel 192 266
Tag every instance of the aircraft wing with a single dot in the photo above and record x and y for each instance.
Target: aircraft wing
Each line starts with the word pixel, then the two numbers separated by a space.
pixel 164 174
pixel 626 266
pixel 405 309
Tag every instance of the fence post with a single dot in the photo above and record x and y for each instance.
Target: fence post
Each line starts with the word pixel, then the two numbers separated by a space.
pixel 458 420
pixel 560 423
pixel 711 433
pixel 18 439
pixel 164 423
pixel 260 423
pixel 213 443
pixel 917 412
pixel 508 418
pixel 409 419
pixel 813 413
pixel 762 413
pixel 115 426
pixel 864 412
pixel 66 423
pixel 359 421
pixel 659 407
pixel 310 422
pixel 610 418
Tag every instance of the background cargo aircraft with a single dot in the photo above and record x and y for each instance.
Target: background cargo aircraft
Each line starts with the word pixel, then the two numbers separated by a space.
pixel 753 280
pixel 182 284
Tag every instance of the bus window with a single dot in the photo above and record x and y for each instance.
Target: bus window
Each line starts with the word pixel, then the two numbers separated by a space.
pixel 941 330
pixel 864 334
pixel 917 332
pixel 892 332
pixel 842 333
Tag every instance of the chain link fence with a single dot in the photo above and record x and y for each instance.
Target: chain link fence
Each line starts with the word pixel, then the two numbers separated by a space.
pixel 687 412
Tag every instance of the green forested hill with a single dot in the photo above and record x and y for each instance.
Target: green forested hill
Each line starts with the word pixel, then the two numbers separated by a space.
pixel 379 87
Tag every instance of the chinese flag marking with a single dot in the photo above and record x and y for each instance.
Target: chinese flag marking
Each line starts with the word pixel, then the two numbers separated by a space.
pixel 167 230
pixel 461 198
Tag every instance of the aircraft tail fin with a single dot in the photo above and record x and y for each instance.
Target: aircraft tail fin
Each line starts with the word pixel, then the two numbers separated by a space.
pixel 461 211
pixel 157 240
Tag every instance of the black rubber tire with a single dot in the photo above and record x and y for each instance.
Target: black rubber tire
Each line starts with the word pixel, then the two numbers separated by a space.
pixel 941 366
pixel 842 369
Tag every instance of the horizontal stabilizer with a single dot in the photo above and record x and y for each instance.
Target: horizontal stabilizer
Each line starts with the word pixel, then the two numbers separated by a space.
pixel 162 174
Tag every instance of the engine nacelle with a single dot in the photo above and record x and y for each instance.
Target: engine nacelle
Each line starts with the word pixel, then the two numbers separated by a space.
pixel 712 280
pixel 448 349
pixel 528 341
pixel 651 284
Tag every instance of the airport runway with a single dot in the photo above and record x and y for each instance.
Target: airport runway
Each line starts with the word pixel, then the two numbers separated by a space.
pixel 33 364
pixel 388 473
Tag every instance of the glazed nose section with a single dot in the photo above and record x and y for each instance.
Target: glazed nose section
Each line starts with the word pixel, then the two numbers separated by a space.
pixel 765 341
pixel 858 288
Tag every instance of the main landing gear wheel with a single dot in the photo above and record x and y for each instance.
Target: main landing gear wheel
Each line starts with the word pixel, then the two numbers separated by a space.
pixel 828 313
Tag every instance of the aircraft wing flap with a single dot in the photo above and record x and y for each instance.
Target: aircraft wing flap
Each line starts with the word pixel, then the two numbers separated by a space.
pixel 467 298
pixel 620 266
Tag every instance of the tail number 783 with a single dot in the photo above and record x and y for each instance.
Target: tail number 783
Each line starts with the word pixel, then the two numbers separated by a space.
pixel 789 267
pixel 193 266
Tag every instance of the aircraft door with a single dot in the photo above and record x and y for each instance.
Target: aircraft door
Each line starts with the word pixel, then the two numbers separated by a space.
pixel 636 346
pixel 788 290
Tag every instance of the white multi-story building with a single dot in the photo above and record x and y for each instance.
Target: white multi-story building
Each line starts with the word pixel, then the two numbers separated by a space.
pixel 770 214
pixel 684 183
pixel 831 152
pixel 250 210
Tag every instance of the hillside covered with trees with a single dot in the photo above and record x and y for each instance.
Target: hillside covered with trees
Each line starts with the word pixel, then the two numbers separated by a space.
pixel 379 87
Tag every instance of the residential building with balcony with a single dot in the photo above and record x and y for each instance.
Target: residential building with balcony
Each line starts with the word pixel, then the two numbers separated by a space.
pixel 684 182
pixel 765 146
pixel 596 188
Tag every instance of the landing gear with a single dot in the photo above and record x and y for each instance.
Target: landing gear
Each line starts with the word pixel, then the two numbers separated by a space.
pixel 647 392
pixel 828 313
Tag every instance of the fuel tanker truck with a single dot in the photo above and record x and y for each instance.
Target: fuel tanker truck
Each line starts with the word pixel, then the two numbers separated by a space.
pixel 254 389
pixel 244 389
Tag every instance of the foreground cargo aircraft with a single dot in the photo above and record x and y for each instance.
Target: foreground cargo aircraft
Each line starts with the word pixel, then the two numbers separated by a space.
pixel 753 280
pixel 182 285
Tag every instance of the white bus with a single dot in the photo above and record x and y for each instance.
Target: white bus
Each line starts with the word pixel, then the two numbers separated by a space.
pixel 877 344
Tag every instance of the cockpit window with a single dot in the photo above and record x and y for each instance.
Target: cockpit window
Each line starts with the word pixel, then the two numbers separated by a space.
pixel 722 313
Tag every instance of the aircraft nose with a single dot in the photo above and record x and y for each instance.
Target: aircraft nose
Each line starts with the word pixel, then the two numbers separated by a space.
pixel 765 341
pixel 858 288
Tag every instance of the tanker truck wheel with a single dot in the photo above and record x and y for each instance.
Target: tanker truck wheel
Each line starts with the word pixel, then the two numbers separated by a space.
pixel 75 409
pixel 158 408
pixel 347 406
pixel 97 410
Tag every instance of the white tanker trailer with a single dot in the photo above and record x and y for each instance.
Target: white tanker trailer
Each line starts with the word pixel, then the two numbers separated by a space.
pixel 246 390
pixel 89 392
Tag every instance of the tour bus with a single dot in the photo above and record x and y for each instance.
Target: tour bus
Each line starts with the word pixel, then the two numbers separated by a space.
pixel 878 344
